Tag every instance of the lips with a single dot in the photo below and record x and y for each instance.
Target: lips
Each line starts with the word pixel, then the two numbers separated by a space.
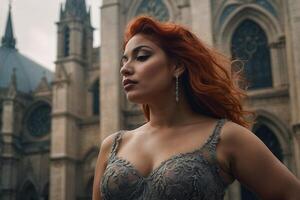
pixel 128 82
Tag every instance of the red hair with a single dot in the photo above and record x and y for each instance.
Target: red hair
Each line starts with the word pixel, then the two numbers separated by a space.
pixel 209 85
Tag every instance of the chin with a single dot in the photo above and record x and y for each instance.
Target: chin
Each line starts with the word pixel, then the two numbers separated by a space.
pixel 135 98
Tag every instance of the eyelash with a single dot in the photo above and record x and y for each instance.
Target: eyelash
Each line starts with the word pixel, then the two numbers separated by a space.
pixel 138 58
pixel 142 58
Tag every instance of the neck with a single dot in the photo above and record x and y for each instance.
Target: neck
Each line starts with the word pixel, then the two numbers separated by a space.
pixel 169 113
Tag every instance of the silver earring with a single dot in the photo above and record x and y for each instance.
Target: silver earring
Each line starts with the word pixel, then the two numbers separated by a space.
pixel 177 89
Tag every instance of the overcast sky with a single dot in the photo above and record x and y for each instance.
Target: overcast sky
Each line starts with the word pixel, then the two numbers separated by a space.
pixel 35 29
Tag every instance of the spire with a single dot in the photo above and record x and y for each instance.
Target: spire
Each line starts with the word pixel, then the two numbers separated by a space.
pixel 76 8
pixel 8 39
pixel 89 14
pixel 61 12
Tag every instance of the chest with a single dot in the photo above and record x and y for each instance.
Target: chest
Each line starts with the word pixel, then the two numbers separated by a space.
pixel 183 176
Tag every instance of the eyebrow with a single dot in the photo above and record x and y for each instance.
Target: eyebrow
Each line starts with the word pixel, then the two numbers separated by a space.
pixel 136 49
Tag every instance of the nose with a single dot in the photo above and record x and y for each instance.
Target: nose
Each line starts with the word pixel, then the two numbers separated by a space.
pixel 126 70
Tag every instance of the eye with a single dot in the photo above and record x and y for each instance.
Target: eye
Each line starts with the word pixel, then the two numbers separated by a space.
pixel 123 61
pixel 142 58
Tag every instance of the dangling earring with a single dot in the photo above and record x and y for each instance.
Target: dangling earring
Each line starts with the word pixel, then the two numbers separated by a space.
pixel 177 89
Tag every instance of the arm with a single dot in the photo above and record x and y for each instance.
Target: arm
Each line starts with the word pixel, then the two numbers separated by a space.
pixel 254 165
pixel 101 165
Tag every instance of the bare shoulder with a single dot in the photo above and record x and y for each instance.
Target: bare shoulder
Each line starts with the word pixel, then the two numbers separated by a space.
pixel 233 130
pixel 105 149
pixel 240 140
pixel 234 135
pixel 237 141
pixel 106 144
pixel 108 141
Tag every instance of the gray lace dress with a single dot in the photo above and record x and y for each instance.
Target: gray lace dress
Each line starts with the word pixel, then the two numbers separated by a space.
pixel 185 176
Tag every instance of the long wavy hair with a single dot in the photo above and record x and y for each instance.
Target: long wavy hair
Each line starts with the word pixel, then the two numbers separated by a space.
pixel 211 86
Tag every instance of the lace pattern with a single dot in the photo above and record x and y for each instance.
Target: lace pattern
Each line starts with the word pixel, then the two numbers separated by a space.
pixel 184 176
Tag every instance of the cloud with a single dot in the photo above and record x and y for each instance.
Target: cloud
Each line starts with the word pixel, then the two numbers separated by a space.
pixel 35 28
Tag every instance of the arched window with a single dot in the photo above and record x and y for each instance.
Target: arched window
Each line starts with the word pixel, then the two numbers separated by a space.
pixel 38 122
pixel 271 141
pixel 28 192
pixel 250 44
pixel 66 41
pixel 155 8
pixel 96 97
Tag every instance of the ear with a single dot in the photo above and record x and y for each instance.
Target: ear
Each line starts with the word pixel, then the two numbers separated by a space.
pixel 177 67
pixel 179 70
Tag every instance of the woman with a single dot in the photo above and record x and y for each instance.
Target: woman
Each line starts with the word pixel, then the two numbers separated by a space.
pixel 195 142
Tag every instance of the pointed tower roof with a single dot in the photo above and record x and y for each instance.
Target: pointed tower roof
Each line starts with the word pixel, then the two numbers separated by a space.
pixel 76 8
pixel 8 40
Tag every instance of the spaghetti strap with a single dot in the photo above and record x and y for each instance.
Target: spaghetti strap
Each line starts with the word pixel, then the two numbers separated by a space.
pixel 117 141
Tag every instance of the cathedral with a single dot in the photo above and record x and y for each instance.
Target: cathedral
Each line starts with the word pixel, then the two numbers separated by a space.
pixel 52 123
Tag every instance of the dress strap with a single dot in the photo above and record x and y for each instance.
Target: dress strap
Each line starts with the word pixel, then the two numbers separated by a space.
pixel 117 141
pixel 216 134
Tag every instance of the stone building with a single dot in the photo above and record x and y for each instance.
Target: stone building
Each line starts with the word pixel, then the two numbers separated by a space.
pixel 261 32
pixel 25 108
pixel 52 124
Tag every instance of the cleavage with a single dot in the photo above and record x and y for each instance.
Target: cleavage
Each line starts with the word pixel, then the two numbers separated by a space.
pixel 157 165
pixel 144 166
pixel 160 165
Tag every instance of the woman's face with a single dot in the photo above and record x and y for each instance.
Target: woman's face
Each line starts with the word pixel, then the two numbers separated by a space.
pixel 146 71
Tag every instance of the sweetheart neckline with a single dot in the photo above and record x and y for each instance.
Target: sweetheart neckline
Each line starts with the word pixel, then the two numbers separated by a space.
pixel 152 173
pixel 149 176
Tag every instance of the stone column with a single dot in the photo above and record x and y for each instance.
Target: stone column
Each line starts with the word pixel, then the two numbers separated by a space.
pixel 110 102
pixel 64 131
pixel 8 157
pixel 292 21
pixel 202 20
pixel 278 60
pixel 185 12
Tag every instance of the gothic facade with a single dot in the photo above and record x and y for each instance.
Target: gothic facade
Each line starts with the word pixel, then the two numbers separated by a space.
pixel 52 124
pixel 261 33
pixel 25 120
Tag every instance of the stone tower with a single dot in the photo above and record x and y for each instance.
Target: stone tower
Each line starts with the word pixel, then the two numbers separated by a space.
pixel 74 55
pixel 9 136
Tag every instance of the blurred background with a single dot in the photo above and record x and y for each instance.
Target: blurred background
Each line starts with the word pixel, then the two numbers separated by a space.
pixel 60 91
